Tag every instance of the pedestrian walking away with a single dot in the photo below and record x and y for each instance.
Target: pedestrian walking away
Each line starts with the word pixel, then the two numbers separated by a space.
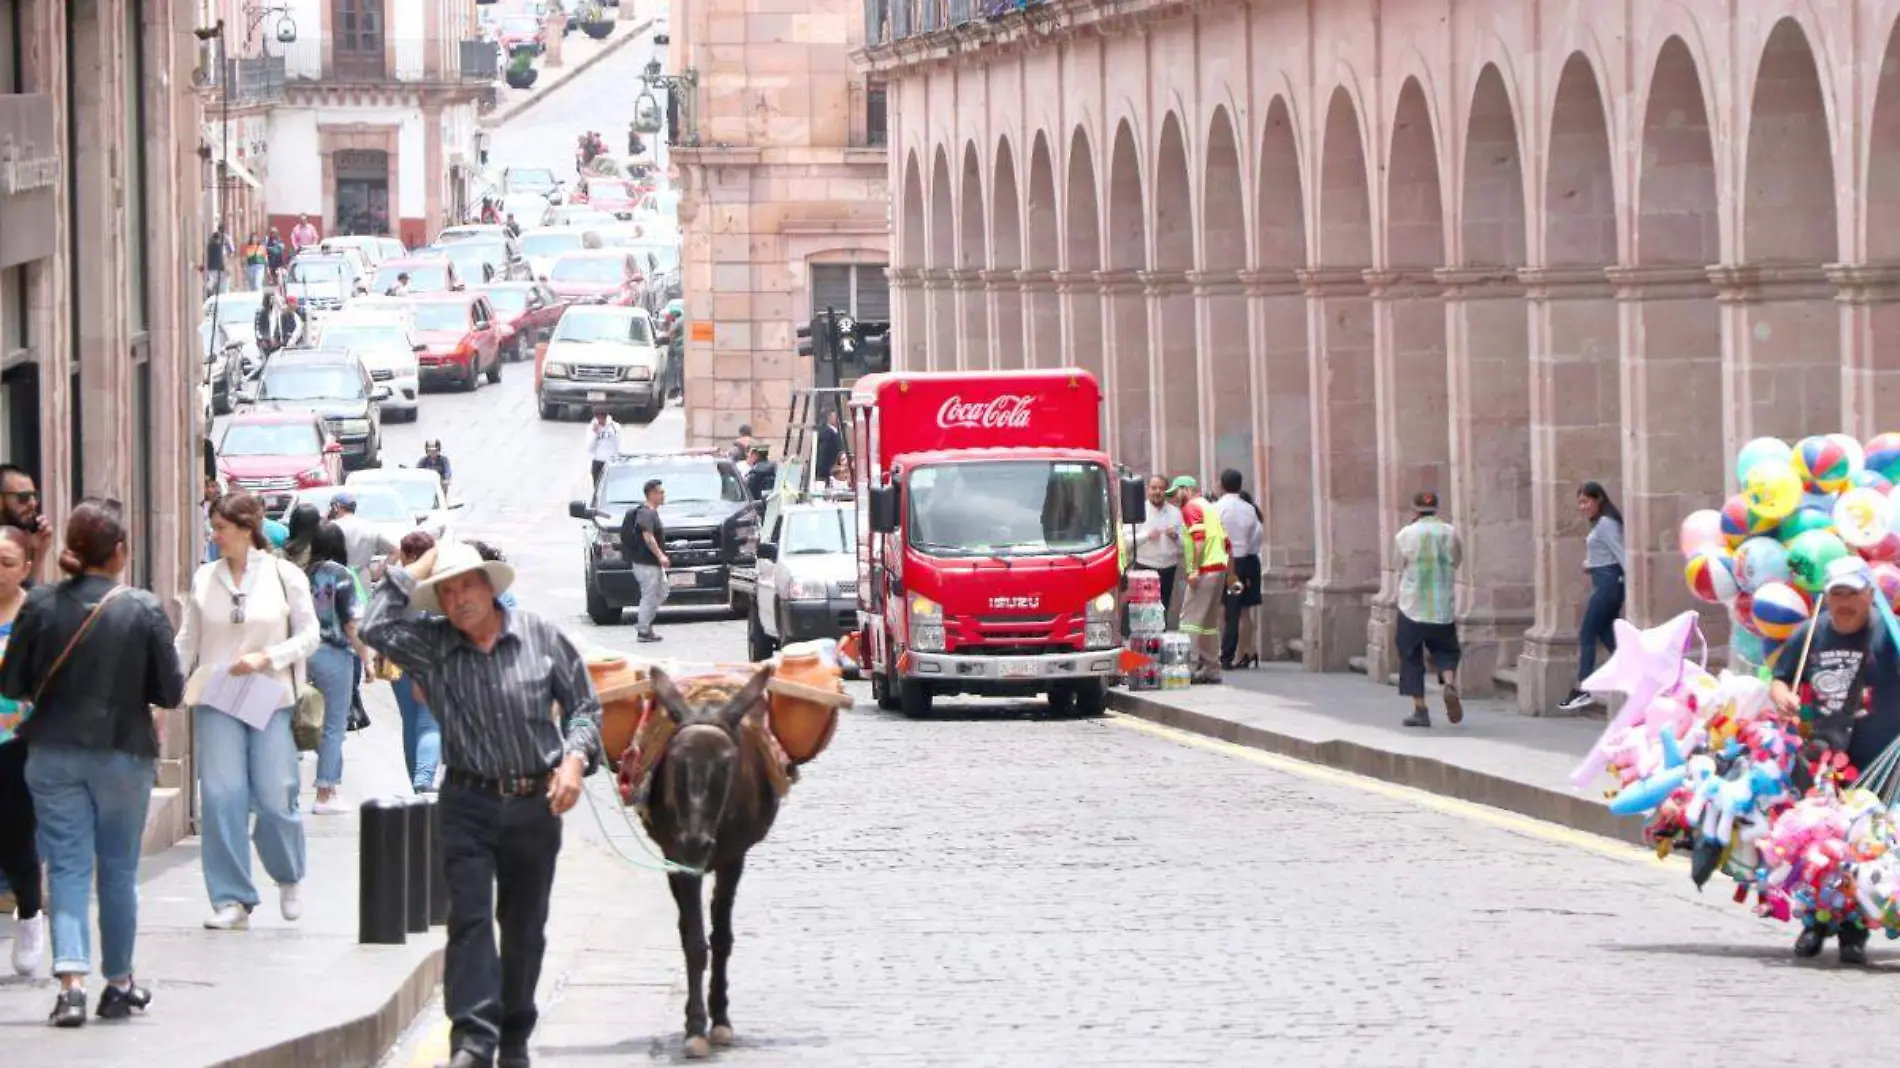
pixel 339 656
pixel 1158 542
pixel 93 658
pixel 363 541
pixel 1605 562
pixel 248 613
pixel 421 734
pixel 1429 553
pixel 641 536
pixel 495 674
pixel 1244 524
pixel 1204 561
pixel 19 854
pixel 603 443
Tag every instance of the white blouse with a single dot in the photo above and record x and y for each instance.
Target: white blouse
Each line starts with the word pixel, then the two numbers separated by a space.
pixel 280 620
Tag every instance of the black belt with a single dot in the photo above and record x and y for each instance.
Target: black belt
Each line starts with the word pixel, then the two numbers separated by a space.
pixel 514 786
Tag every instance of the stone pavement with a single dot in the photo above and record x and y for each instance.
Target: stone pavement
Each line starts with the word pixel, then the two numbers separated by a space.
pixel 281 994
pixel 579 53
pixel 1496 757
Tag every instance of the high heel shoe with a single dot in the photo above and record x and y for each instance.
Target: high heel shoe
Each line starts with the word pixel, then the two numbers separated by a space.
pixel 1250 660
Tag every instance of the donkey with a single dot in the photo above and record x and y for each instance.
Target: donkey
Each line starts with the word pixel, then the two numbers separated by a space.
pixel 709 802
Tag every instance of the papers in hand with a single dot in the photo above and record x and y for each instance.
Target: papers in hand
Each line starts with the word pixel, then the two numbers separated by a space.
pixel 252 699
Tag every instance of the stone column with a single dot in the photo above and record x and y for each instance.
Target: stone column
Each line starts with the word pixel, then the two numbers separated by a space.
pixel 1345 461
pixel 1489 496
pixel 556 35
pixel 1125 350
pixel 1672 351
pixel 1004 297
pixel 1226 395
pixel 1174 374
pixel 1043 306
pixel 1781 337
pixel 1277 370
pixel 1869 300
pixel 1409 370
pixel 943 319
pixel 1576 430
pixel 972 326
pixel 910 316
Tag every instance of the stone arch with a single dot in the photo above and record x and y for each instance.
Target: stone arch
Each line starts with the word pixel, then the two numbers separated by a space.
pixel 1345 191
pixel 1006 257
pixel 1083 307
pixel 1874 361
pixel 1579 187
pixel 1415 207
pixel 1042 253
pixel 1178 377
pixel 1492 205
pixel 1223 334
pixel 1882 237
pixel 1132 422
pixel 943 259
pixel 973 319
pixel 914 334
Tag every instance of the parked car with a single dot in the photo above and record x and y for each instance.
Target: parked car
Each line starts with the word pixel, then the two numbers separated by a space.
pixel 385 340
pixel 804 583
pixel 525 313
pixel 427 274
pixel 320 283
pixel 237 312
pixel 223 358
pixel 603 357
pixel 540 180
pixel 429 502
pixel 460 342
pixel 710 523
pixel 273 454
pixel 380 506
pixel 333 384
pixel 597 276
pixel 544 246
pixel 520 33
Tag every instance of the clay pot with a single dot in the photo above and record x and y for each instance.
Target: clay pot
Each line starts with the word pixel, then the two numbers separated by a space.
pixel 803 727
pixel 618 719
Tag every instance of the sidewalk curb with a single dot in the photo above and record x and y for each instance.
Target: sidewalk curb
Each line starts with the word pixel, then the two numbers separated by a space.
pixel 1404 769
pixel 362 1041
pixel 500 115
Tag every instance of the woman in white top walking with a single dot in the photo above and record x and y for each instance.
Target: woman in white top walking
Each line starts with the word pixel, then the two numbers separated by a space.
pixel 1604 560
pixel 250 613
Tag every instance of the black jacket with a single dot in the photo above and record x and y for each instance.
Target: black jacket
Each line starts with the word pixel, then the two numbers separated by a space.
pixel 103 696
pixel 830 445
pixel 761 479
pixel 286 325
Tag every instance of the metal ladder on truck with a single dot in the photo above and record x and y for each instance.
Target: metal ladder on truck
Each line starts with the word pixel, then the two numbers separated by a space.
pixel 805 414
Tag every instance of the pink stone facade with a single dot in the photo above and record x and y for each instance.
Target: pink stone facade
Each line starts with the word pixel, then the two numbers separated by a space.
pixel 1358 249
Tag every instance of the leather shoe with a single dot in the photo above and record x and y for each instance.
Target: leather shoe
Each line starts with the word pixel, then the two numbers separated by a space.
pixel 1810 942
pixel 468 1058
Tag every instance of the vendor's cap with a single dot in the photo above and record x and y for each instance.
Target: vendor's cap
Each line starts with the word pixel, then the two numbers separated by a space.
pixel 1849 573
pixel 1425 502
pixel 1183 482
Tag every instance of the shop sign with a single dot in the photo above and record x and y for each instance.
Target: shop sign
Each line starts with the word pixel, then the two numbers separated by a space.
pixel 29 174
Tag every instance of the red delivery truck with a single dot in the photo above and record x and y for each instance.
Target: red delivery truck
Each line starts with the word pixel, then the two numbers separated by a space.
pixel 989 545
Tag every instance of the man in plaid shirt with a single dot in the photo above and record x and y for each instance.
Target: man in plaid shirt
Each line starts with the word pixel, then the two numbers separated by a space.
pixel 1429 553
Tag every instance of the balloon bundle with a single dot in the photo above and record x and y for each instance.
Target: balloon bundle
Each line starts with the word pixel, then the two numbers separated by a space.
pixel 1765 551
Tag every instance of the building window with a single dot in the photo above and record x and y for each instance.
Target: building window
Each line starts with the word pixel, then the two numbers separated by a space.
pixel 357 30
pixel 135 169
pixel 858 288
pixel 877 116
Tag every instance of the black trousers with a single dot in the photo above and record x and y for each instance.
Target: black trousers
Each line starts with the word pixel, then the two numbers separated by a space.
pixel 19 858
pixel 498 854
pixel 1414 640
pixel 596 468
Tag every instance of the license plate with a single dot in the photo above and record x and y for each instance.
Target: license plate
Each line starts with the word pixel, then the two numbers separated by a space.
pixel 682 578
pixel 598 395
pixel 1020 669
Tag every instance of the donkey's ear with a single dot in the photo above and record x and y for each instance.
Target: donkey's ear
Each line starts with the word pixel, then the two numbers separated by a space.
pixel 669 697
pixel 746 700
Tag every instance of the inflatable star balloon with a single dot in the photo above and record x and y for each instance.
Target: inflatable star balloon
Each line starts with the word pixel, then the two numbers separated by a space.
pixel 1646 664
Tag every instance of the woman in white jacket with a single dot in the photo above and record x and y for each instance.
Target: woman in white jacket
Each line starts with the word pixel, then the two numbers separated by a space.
pixel 249 613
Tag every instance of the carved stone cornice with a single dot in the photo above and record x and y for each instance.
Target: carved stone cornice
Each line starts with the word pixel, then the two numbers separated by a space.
pixel 1402 284
pixel 1038 281
pixel 1333 281
pixel 904 279
pixel 997 281
pixel 964 279
pixel 1117 283
pixel 1865 283
pixel 1656 283
pixel 1216 283
pixel 1075 282
pixel 1768 283
pixel 1163 283
pixel 1479 283
pixel 931 279
pixel 1565 283
pixel 1277 283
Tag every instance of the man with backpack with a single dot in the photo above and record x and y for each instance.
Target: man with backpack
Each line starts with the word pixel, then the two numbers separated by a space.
pixel 641 536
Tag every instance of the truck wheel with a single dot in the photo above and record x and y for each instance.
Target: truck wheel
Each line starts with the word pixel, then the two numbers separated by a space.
pixel 1091 698
pixel 549 411
pixel 1061 701
pixel 598 610
pixel 883 692
pixel 759 645
pixel 913 698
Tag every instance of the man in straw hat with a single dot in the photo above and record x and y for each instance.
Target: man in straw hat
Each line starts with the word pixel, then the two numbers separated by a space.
pixel 494 675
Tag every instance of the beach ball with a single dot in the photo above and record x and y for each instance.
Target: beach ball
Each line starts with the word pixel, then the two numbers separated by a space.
pixel 1711 576
pixel 1759 450
pixel 1887 579
pixel 1743 610
pixel 1778 609
pixel 1773 489
pixel 1760 561
pixel 1856 455
pixel 1701 530
pixel 1809 555
pixel 1882 456
pixel 1747 646
pixel 1823 464
pixel 1803 521
pixel 1866 478
pixel 1739 521
pixel 1823 502
pixel 1862 517
pixel 1887 548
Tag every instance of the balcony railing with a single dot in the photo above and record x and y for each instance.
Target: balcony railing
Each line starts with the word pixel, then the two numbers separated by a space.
pixel 894 20
pixel 481 62
pixel 257 80
pixel 392 59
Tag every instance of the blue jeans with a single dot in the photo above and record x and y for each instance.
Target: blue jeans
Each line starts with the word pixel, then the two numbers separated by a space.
pixel 91 806
pixel 241 770
pixel 333 672
pixel 421 736
pixel 1599 617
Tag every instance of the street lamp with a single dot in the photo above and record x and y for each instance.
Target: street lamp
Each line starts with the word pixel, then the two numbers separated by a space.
pixel 680 90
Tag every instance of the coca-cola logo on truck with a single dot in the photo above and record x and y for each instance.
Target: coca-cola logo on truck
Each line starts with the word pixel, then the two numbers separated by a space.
pixel 1009 411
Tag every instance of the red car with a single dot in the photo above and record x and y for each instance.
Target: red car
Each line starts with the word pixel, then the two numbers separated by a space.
pixel 616 196
pixel 597 276
pixel 460 339
pixel 273 454
pixel 525 313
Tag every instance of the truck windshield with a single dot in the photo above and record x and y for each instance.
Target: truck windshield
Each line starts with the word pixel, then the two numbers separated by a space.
pixel 820 532
pixel 1009 508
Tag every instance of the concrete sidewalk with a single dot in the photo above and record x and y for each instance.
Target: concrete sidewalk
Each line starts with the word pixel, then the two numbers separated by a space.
pixel 281 994
pixel 1496 757
pixel 579 53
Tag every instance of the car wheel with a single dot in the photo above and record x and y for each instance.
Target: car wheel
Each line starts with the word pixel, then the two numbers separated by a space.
pixel 913 698
pixel 494 372
pixel 598 610
pixel 549 411
pixel 759 645
pixel 472 383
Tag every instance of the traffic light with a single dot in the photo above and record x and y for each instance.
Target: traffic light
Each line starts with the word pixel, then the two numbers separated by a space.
pixel 805 339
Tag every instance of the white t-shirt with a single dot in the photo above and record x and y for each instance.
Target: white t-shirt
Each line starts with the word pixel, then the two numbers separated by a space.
pixel 1243 525
pixel 603 442
pixel 1158 538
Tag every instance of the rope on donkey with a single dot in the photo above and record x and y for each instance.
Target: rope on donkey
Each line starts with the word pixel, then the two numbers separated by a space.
pixel 653 860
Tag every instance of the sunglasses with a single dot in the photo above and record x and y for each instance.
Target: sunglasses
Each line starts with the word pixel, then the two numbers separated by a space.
pixel 237 608
pixel 22 495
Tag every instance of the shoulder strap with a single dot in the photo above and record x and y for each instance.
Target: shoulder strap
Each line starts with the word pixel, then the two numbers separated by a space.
pixel 78 636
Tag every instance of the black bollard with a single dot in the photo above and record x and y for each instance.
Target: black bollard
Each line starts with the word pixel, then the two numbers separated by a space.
pixel 383 876
pixel 438 874
pixel 416 811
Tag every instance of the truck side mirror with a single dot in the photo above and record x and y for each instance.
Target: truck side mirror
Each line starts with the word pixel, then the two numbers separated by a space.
pixel 579 510
pixel 1134 500
pixel 767 551
pixel 884 509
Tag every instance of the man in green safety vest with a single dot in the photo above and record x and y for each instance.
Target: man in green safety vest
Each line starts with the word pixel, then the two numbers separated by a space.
pixel 1204 564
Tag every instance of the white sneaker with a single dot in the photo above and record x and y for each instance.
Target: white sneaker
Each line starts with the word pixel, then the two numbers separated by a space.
pixel 332 807
pixel 289 902
pixel 232 917
pixel 1577 702
pixel 29 945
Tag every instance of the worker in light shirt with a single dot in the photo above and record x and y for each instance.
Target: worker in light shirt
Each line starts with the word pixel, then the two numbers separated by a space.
pixel 1245 532
pixel 1158 541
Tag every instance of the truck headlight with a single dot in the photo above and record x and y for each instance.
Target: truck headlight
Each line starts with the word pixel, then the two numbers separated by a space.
pixel 926 624
pixel 554 370
pixel 802 590
pixel 1098 629
pixel 639 374
pixel 353 427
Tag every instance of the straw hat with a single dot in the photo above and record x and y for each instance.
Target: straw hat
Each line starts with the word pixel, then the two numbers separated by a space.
pixel 453 560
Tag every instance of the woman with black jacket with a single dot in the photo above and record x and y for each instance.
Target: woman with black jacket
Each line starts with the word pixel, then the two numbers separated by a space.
pixel 94 658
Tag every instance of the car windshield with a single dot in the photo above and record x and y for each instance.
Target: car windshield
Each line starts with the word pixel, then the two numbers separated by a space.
pixel 471 260
pixel 311 382
pixel 522 24
pixel 442 315
pixel 612 190
pixel 423 278
pixel 820 531
pixel 270 439
pixel 364 336
pixel 609 270
pixel 607 326
pixel 1009 508
pixel 624 485
pixel 235 309
pixel 374 503
pixel 331 271
pixel 512 301
pixel 536 178
pixel 418 494
pixel 546 244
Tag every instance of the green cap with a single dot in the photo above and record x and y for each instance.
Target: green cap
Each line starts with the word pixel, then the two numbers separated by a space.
pixel 1183 482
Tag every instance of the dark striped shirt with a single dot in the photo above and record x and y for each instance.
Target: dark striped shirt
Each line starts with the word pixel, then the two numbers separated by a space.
pixel 496 708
